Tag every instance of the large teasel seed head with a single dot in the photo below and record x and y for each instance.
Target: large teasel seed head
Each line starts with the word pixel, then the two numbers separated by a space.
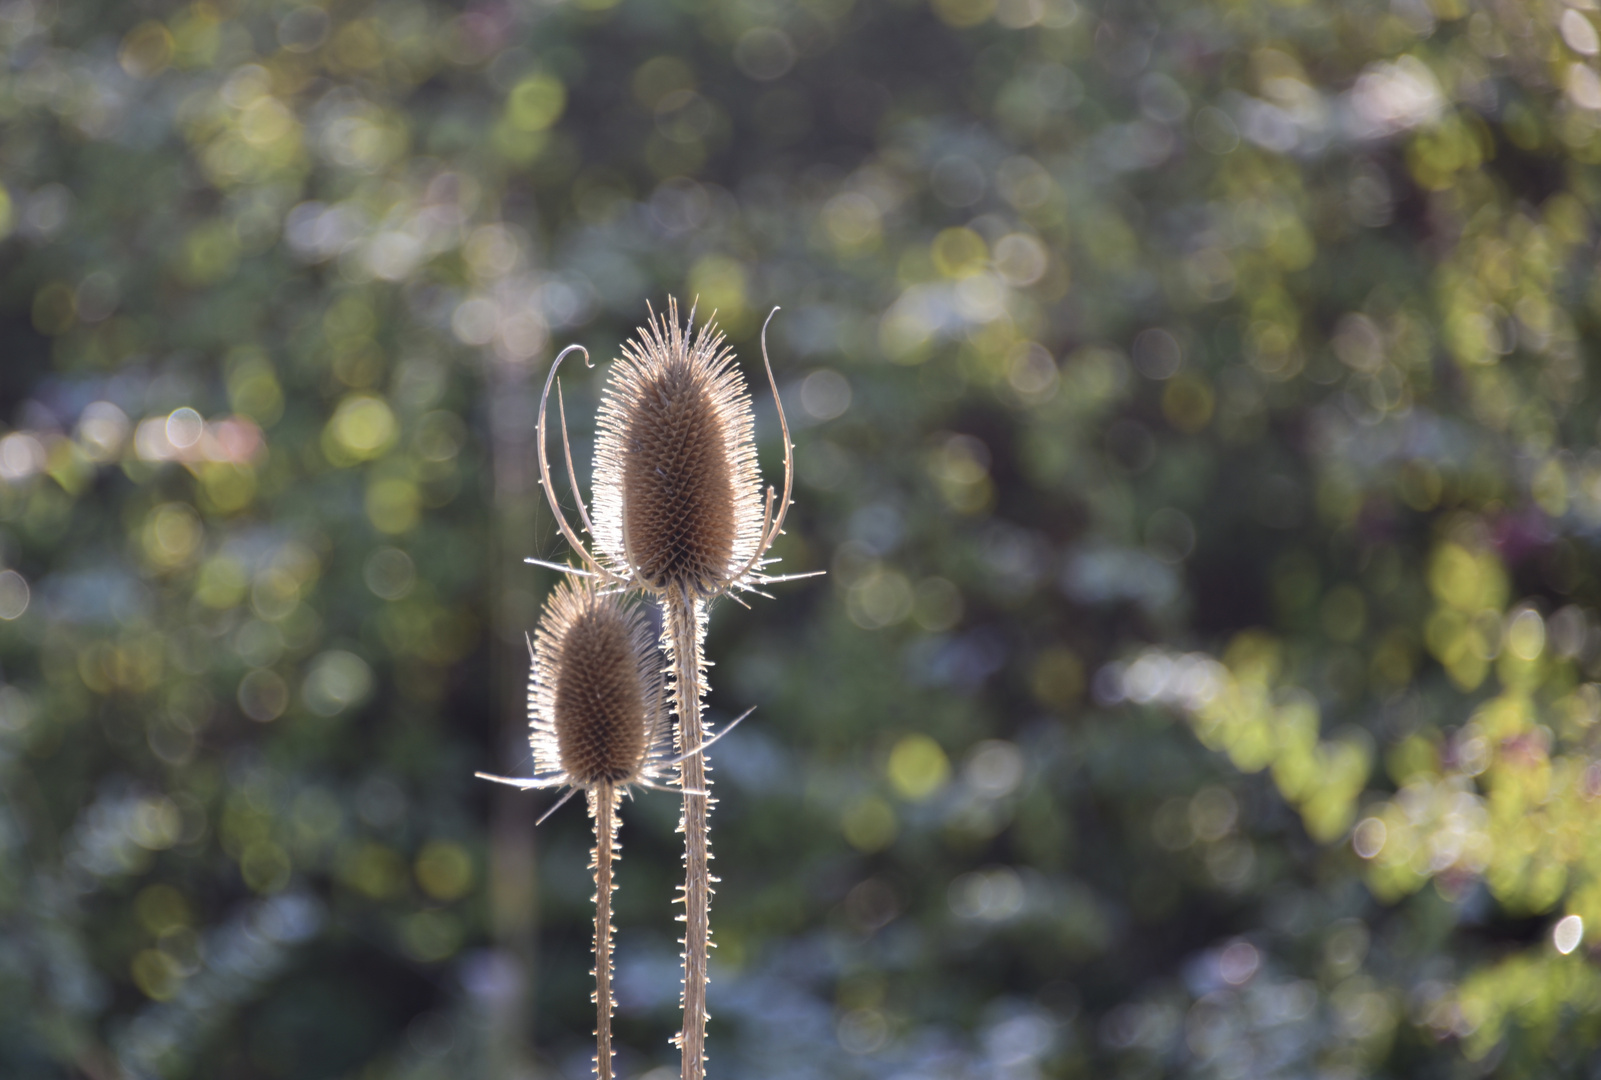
pixel 678 498
pixel 594 695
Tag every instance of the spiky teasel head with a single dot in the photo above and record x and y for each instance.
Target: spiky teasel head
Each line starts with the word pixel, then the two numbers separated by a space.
pixel 678 497
pixel 678 500
pixel 596 711
pixel 595 691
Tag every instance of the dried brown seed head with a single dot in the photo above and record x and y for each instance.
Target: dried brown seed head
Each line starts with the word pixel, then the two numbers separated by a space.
pixel 678 500
pixel 594 695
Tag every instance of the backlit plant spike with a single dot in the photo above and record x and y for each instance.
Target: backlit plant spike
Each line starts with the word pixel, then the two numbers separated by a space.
pixel 680 514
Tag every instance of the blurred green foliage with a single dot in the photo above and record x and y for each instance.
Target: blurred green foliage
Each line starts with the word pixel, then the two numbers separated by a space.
pixel 1192 413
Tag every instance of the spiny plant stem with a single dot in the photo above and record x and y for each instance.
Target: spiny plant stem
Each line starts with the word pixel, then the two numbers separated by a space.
pixel 684 636
pixel 603 808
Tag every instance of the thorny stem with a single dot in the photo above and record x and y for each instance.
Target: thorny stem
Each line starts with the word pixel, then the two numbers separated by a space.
pixel 603 808
pixel 684 635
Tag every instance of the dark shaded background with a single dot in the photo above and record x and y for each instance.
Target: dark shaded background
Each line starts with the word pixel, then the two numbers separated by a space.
pixel 1192 414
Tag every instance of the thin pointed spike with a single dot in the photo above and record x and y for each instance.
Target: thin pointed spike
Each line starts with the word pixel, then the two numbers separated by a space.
pixel 656 785
pixel 701 749
pixel 789 450
pixel 651 785
pixel 563 567
pixel 567 451
pixel 523 782
pixel 774 579
pixel 544 463
pixel 530 639
pixel 559 804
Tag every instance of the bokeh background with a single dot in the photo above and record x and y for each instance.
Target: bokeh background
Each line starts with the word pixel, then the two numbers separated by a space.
pixel 1193 415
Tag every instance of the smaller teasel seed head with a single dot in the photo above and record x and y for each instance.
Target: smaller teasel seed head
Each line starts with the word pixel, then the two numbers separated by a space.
pixel 595 692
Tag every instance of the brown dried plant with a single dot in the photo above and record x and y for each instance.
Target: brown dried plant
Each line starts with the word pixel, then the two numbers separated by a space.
pixel 680 515
pixel 596 725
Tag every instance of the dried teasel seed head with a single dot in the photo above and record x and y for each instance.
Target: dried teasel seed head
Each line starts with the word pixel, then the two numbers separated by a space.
pixel 678 499
pixel 595 693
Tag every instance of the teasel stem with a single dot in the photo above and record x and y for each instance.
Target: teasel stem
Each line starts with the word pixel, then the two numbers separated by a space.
pixel 603 800
pixel 684 636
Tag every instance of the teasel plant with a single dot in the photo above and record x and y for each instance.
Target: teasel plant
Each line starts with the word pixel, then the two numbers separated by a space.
pixel 597 724
pixel 680 515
